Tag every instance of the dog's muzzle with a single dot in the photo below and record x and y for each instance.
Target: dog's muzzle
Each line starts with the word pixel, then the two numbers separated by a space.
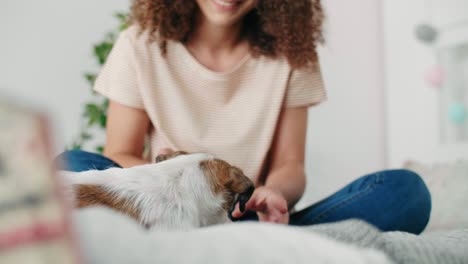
pixel 242 199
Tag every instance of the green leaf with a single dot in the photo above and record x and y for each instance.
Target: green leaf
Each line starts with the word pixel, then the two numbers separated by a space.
pixel 123 19
pixel 85 136
pixel 75 146
pixel 93 112
pixel 100 149
pixel 123 27
pixel 91 78
pixel 102 50
pixel 110 37
pixel 91 109
pixel 104 107
pixel 103 121
pixel 105 104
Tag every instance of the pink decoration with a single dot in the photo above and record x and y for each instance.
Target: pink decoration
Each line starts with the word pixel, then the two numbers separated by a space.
pixel 435 76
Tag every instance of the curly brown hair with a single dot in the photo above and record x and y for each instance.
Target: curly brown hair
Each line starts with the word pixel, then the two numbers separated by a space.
pixel 289 28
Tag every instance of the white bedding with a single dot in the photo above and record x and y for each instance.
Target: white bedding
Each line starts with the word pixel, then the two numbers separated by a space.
pixel 109 237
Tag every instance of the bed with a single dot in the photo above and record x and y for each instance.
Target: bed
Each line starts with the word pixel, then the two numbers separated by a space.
pixel 109 237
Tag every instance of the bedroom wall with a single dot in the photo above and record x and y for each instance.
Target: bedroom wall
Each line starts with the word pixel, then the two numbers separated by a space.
pixel 45 48
pixel 416 112
pixel 346 134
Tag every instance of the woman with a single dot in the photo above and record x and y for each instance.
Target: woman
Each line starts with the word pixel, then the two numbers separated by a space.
pixel 235 78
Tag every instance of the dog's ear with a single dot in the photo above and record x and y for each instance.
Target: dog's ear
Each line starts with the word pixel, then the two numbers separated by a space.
pixel 163 157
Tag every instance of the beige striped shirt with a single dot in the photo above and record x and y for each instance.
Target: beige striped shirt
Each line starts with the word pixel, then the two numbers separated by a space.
pixel 232 115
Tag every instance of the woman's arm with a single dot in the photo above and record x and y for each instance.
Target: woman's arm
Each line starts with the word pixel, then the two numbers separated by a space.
pixel 288 150
pixel 125 134
pixel 285 182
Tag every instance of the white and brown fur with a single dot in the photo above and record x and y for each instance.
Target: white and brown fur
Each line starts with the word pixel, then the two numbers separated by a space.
pixel 180 191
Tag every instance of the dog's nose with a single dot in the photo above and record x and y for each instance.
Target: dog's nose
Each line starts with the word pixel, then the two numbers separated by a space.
pixel 245 196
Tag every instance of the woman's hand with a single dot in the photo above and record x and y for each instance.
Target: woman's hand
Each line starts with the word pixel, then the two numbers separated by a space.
pixel 270 205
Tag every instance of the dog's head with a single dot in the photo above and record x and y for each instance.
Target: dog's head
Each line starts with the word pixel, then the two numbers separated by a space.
pixel 224 179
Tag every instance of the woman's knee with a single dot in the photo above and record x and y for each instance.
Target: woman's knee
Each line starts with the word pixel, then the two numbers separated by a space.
pixel 79 160
pixel 403 180
pixel 73 154
pixel 414 198
pixel 68 159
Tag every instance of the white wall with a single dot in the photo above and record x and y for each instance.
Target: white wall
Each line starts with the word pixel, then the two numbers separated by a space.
pixel 45 48
pixel 414 108
pixel 346 134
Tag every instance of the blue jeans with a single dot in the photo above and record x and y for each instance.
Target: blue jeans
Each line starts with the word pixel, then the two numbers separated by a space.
pixel 392 200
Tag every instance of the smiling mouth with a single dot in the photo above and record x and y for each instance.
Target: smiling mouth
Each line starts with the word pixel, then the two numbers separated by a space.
pixel 226 4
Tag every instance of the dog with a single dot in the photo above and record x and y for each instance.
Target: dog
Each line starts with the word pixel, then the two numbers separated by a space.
pixel 180 191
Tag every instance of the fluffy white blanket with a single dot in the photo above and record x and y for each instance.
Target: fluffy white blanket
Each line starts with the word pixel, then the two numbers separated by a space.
pixel 109 237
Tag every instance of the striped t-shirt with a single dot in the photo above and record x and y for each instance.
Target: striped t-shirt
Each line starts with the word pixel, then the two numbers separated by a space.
pixel 232 115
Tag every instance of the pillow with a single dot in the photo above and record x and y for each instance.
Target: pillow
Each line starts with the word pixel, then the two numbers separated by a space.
pixel 448 184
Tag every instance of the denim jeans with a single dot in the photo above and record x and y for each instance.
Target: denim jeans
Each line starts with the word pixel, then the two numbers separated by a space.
pixel 392 200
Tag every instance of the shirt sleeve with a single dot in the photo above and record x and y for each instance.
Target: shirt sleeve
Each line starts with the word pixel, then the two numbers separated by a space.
pixel 118 78
pixel 305 88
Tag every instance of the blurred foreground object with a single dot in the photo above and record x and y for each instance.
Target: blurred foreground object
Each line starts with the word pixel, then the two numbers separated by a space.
pixel 34 226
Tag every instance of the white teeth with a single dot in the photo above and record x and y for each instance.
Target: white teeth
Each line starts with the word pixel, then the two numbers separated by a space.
pixel 225 3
